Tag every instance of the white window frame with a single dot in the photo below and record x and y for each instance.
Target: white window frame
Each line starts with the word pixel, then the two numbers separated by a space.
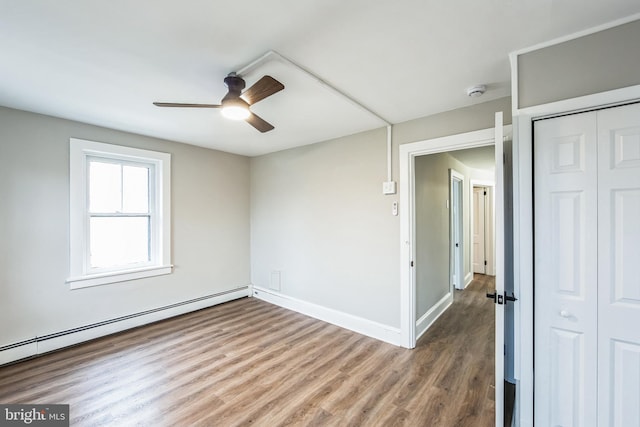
pixel 80 273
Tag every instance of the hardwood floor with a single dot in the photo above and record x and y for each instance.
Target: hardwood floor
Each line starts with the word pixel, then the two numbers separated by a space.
pixel 247 362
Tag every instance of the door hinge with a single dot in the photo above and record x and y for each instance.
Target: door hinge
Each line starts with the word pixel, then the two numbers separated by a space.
pixel 485 262
pixel 485 192
pixel 411 263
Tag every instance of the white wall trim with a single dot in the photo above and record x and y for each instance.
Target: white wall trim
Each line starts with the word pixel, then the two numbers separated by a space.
pixel 407 155
pixel 578 34
pixel 81 274
pixel 357 324
pixel 515 95
pixel 20 351
pixel 46 343
pixel 582 103
pixel 468 279
pixel 120 276
pixel 433 314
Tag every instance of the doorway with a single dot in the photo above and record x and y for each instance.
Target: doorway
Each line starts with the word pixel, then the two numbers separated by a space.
pixel 456 241
pixel 479 229
pixel 443 226
pixel 409 153
pixel 483 227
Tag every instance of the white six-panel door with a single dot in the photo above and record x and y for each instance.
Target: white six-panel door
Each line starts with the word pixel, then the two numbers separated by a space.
pixel 478 230
pixel 619 266
pixel 565 288
pixel 587 291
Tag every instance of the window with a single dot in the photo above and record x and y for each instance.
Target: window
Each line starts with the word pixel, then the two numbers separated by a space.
pixel 119 213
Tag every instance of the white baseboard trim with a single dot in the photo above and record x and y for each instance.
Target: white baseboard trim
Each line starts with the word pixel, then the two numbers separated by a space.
pixel 56 341
pixel 357 324
pixel 19 351
pixel 468 279
pixel 432 314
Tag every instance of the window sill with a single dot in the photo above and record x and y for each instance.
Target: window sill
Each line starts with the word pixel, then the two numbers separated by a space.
pixel 87 281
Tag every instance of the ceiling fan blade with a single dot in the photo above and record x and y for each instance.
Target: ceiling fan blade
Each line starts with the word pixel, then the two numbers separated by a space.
pixel 175 104
pixel 259 123
pixel 263 88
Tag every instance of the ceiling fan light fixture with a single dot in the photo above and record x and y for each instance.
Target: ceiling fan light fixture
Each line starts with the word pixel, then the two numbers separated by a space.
pixel 235 109
pixel 235 112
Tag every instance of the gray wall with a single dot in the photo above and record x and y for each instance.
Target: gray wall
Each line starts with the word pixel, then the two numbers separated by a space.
pixel 598 62
pixel 432 230
pixel 210 228
pixel 318 215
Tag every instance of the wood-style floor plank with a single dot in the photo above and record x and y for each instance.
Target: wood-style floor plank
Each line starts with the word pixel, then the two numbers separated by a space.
pixel 247 362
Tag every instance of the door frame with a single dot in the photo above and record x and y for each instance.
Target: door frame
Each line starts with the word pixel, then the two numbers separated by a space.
pixel 523 224
pixel 407 155
pixel 456 267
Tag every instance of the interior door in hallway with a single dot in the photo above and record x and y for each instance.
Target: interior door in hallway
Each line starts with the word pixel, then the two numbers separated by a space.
pixel 457 245
pixel 479 194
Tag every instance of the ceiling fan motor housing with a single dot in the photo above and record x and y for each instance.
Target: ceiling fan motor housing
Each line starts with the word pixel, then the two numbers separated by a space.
pixel 235 85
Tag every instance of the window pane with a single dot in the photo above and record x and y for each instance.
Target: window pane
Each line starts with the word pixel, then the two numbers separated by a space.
pixel 119 241
pixel 135 189
pixel 104 187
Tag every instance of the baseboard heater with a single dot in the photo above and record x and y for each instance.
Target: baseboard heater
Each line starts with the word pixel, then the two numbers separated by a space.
pixel 33 346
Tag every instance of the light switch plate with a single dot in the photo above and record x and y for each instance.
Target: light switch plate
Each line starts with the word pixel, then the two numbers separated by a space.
pixel 389 187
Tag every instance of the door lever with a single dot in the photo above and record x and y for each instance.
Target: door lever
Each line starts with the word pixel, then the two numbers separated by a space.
pixel 511 297
pixel 493 296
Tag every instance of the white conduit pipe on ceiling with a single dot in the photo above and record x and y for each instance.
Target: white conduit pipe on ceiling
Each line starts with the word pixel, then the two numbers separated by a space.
pixel 273 54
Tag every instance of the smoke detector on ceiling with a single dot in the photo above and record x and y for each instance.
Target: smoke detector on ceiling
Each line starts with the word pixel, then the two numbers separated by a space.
pixel 476 91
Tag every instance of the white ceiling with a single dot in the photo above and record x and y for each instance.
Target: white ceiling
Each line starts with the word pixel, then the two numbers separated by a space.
pixel 105 62
pixel 480 158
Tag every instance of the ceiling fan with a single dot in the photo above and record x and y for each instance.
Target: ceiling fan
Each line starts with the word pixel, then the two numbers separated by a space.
pixel 236 104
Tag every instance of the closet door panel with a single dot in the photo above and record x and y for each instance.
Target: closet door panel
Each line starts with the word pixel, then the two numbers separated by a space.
pixel 565 289
pixel 619 266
